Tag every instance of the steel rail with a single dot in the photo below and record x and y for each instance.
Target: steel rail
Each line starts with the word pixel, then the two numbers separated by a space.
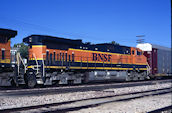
pixel 90 102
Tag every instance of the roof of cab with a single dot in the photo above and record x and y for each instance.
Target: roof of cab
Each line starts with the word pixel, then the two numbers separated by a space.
pixel 8 32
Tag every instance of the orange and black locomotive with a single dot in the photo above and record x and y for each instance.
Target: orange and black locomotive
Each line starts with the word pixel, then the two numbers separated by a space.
pixel 56 60
pixel 62 61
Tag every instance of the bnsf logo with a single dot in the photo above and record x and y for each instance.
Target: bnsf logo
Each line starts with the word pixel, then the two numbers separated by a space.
pixel 101 57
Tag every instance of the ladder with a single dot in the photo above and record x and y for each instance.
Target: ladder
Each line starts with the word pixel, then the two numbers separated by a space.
pixel 20 70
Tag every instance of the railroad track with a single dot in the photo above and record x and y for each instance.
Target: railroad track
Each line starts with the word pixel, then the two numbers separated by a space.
pixel 167 109
pixel 80 88
pixel 80 85
pixel 87 103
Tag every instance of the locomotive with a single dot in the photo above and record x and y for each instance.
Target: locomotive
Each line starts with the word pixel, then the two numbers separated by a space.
pixel 56 60
pixel 6 67
pixel 62 61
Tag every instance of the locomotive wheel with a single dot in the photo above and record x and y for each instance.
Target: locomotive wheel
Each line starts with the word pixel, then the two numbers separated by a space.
pixel 31 81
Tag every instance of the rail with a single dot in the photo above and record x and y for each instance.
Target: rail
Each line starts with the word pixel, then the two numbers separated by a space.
pixel 90 101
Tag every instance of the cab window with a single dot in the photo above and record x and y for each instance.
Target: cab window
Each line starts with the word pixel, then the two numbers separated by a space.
pixel 139 53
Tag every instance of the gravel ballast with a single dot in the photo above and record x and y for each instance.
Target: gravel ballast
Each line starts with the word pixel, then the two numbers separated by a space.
pixel 28 100
pixel 142 105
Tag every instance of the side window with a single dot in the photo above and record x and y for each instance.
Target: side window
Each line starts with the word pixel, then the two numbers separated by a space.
pixel 3 54
pixel 132 52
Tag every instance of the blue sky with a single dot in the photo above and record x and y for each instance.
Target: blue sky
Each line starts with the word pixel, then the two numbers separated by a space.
pixel 95 21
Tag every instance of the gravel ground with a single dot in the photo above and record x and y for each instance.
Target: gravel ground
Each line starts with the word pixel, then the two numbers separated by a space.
pixel 142 105
pixel 28 100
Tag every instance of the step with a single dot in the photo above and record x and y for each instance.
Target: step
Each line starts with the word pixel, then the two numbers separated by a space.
pixel 39 81
pixel 36 69
pixel 20 77
pixel 21 81
pixel 37 76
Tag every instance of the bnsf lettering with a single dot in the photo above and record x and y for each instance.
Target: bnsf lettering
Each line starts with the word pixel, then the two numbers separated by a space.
pixel 101 57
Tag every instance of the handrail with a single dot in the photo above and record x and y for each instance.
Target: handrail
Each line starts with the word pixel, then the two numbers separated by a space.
pixel 18 62
pixel 36 62
pixel 43 65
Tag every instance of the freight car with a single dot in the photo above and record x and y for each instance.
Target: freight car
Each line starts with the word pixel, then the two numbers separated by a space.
pixel 159 59
pixel 6 67
pixel 55 60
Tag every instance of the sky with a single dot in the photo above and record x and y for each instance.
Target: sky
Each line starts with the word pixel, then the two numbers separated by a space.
pixel 95 21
